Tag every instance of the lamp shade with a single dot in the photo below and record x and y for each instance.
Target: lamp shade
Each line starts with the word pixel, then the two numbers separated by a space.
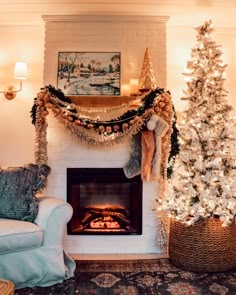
pixel 20 70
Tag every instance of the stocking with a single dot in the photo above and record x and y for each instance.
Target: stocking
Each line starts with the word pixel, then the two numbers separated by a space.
pixel 160 130
pixel 148 149
pixel 133 166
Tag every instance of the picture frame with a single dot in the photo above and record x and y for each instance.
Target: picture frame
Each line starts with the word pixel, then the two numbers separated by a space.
pixel 89 73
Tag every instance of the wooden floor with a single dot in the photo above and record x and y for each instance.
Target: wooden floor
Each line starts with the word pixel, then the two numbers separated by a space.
pixel 117 256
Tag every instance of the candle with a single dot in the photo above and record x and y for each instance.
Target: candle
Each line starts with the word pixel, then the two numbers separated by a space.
pixel 133 86
pixel 125 89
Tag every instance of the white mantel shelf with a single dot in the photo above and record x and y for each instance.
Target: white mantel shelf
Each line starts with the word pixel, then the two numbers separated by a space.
pixel 105 18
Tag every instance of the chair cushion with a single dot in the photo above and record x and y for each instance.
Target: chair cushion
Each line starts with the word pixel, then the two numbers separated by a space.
pixel 18 186
pixel 17 235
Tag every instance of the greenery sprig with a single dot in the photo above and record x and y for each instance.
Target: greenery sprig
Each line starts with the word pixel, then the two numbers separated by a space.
pixel 175 148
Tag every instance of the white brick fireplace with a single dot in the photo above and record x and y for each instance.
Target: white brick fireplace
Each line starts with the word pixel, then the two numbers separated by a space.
pixel 130 35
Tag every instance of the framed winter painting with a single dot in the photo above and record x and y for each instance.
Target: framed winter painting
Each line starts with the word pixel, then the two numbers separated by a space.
pixel 89 73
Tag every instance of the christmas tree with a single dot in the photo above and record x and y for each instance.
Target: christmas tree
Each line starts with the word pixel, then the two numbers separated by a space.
pixel 147 79
pixel 202 184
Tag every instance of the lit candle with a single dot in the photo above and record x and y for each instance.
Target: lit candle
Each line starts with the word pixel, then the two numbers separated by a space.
pixel 133 86
pixel 125 89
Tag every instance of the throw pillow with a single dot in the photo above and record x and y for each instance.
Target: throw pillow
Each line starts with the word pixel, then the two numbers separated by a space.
pixel 18 186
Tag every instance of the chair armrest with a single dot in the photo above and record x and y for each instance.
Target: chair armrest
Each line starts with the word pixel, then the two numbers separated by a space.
pixel 53 215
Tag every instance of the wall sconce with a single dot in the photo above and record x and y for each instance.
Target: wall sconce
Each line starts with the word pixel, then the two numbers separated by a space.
pixel 20 73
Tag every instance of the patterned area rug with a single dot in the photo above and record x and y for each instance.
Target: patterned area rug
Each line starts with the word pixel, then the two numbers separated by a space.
pixel 139 277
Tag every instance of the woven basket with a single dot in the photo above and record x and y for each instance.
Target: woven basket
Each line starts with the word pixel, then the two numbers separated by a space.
pixel 6 287
pixel 205 246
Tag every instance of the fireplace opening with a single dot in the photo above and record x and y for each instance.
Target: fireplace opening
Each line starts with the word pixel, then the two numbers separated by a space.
pixel 104 201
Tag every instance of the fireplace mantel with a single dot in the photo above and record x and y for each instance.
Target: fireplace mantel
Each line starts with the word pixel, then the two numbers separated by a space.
pixel 106 18
pixel 101 101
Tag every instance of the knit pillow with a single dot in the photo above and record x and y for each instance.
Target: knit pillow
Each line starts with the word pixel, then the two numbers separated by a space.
pixel 18 186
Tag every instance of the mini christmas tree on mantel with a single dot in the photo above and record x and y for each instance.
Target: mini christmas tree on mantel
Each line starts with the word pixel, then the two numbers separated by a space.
pixel 202 187
pixel 147 79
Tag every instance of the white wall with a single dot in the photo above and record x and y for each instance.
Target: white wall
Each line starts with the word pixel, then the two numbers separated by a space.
pixel 16 130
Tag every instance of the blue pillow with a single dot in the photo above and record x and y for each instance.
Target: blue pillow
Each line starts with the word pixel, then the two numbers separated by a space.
pixel 18 186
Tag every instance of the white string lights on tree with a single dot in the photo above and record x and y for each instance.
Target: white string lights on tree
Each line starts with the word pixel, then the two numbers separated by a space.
pixel 202 183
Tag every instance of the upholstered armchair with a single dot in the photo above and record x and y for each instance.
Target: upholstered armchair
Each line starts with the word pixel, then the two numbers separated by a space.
pixel 31 253
pixel 31 229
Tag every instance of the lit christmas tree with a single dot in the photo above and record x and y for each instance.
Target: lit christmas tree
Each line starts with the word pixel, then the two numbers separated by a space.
pixel 202 184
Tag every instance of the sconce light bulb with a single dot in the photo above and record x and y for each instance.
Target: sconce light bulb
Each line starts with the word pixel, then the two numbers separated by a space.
pixel 20 70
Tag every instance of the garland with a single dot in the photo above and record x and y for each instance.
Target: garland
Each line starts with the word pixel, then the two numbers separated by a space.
pixel 61 105
pixel 97 132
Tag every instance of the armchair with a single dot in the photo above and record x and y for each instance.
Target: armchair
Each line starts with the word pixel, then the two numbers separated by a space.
pixel 31 253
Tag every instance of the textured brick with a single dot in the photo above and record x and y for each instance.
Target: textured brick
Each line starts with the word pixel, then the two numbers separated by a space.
pixel 131 39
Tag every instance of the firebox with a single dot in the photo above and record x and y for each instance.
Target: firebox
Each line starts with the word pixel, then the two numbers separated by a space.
pixel 104 202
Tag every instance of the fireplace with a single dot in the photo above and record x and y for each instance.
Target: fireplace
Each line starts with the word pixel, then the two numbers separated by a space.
pixel 104 202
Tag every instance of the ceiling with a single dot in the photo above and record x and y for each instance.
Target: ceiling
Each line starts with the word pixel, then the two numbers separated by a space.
pixel 181 12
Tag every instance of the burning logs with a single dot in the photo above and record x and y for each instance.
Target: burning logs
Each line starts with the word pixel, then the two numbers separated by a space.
pixel 112 217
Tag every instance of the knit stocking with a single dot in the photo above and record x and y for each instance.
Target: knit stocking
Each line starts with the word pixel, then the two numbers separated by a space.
pixel 160 130
pixel 133 166
pixel 148 148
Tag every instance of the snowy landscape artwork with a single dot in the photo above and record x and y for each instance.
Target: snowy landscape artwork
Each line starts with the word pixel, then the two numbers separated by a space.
pixel 89 73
